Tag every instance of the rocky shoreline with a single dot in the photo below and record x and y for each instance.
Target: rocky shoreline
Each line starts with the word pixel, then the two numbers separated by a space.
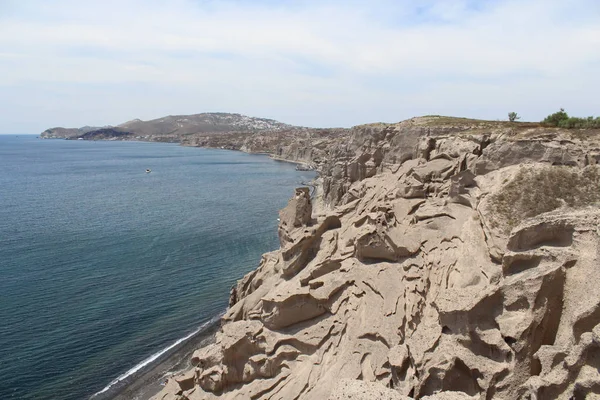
pixel 449 259
pixel 417 281
pixel 150 380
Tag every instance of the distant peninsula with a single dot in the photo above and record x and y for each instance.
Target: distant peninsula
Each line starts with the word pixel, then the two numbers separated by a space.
pixel 171 128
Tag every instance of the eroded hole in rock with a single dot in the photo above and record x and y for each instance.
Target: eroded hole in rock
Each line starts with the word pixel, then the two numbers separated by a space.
pixel 401 373
pixel 446 330
pixel 331 222
pixel 536 367
pixel 361 222
pixel 431 144
pixel 462 379
pixel 562 238
pixel 582 392
pixel 553 235
pixel 520 265
pixel 312 252
pixel 510 340
pixel 550 299
pixel 593 358
pixel 458 378
pixel 553 315
pixel 316 285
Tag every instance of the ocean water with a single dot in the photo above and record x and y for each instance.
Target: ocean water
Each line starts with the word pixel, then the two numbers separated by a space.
pixel 103 265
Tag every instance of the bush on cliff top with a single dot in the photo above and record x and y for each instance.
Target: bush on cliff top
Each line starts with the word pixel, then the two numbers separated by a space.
pixel 562 120
pixel 534 191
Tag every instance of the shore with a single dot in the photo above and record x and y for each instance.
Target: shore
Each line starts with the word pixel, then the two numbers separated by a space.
pixel 276 158
pixel 149 381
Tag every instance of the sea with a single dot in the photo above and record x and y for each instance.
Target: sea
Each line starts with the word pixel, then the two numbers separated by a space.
pixel 104 267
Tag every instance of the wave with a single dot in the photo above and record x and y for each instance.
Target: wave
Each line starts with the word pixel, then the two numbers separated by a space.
pixel 158 354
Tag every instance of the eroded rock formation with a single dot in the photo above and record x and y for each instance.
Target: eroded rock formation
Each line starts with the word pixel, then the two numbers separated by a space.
pixel 414 283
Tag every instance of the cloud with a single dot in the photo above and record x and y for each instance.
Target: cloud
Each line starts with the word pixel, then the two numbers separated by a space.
pixel 316 63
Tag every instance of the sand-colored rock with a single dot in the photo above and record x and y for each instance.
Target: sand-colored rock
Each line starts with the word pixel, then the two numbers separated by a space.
pixel 351 389
pixel 410 285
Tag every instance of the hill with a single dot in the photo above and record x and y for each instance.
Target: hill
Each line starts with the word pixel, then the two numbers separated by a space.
pixel 171 128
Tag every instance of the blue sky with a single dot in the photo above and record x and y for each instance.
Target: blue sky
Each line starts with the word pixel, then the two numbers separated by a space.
pixel 314 63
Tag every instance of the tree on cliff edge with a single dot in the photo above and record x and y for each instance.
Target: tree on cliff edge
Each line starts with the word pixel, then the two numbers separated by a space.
pixel 556 118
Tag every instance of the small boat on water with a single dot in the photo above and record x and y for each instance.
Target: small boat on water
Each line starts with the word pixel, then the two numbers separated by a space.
pixel 148 170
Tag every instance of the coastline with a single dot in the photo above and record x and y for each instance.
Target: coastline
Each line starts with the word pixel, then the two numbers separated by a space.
pixel 387 280
pixel 149 380
pixel 276 158
pixel 146 383
pixel 133 140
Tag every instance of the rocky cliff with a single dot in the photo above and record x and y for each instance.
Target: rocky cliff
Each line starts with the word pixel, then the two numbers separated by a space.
pixel 454 259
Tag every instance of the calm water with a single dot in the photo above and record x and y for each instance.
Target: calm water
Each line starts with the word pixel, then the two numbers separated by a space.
pixel 103 265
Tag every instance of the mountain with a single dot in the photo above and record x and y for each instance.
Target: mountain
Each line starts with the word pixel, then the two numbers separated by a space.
pixel 171 128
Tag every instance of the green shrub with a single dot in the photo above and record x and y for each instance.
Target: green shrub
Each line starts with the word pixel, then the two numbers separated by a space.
pixel 562 120
pixel 556 118
pixel 535 191
pixel 580 123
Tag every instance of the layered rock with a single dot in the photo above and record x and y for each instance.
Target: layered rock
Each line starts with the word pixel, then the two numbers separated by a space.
pixel 414 283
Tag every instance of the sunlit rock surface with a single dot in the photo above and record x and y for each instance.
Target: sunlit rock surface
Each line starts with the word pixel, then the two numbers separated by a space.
pixel 412 282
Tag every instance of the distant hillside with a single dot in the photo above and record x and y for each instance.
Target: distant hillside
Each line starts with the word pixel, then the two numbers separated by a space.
pixel 170 128
pixel 67 133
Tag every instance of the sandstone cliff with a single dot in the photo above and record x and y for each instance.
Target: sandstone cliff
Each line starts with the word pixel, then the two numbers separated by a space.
pixel 455 259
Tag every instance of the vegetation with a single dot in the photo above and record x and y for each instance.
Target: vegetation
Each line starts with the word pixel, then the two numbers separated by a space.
pixel 535 191
pixel 562 120
pixel 471 124
pixel 513 116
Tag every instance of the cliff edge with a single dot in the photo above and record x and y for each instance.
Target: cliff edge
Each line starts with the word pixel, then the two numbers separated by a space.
pixel 456 260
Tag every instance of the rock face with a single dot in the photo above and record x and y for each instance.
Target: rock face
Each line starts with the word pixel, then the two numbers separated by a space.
pixel 298 213
pixel 413 283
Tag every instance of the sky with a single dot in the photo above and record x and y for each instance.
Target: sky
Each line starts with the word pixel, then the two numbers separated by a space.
pixel 318 63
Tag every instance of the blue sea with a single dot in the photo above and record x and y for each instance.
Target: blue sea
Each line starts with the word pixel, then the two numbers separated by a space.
pixel 103 265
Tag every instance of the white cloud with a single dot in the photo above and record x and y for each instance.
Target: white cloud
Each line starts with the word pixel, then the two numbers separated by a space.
pixel 305 62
